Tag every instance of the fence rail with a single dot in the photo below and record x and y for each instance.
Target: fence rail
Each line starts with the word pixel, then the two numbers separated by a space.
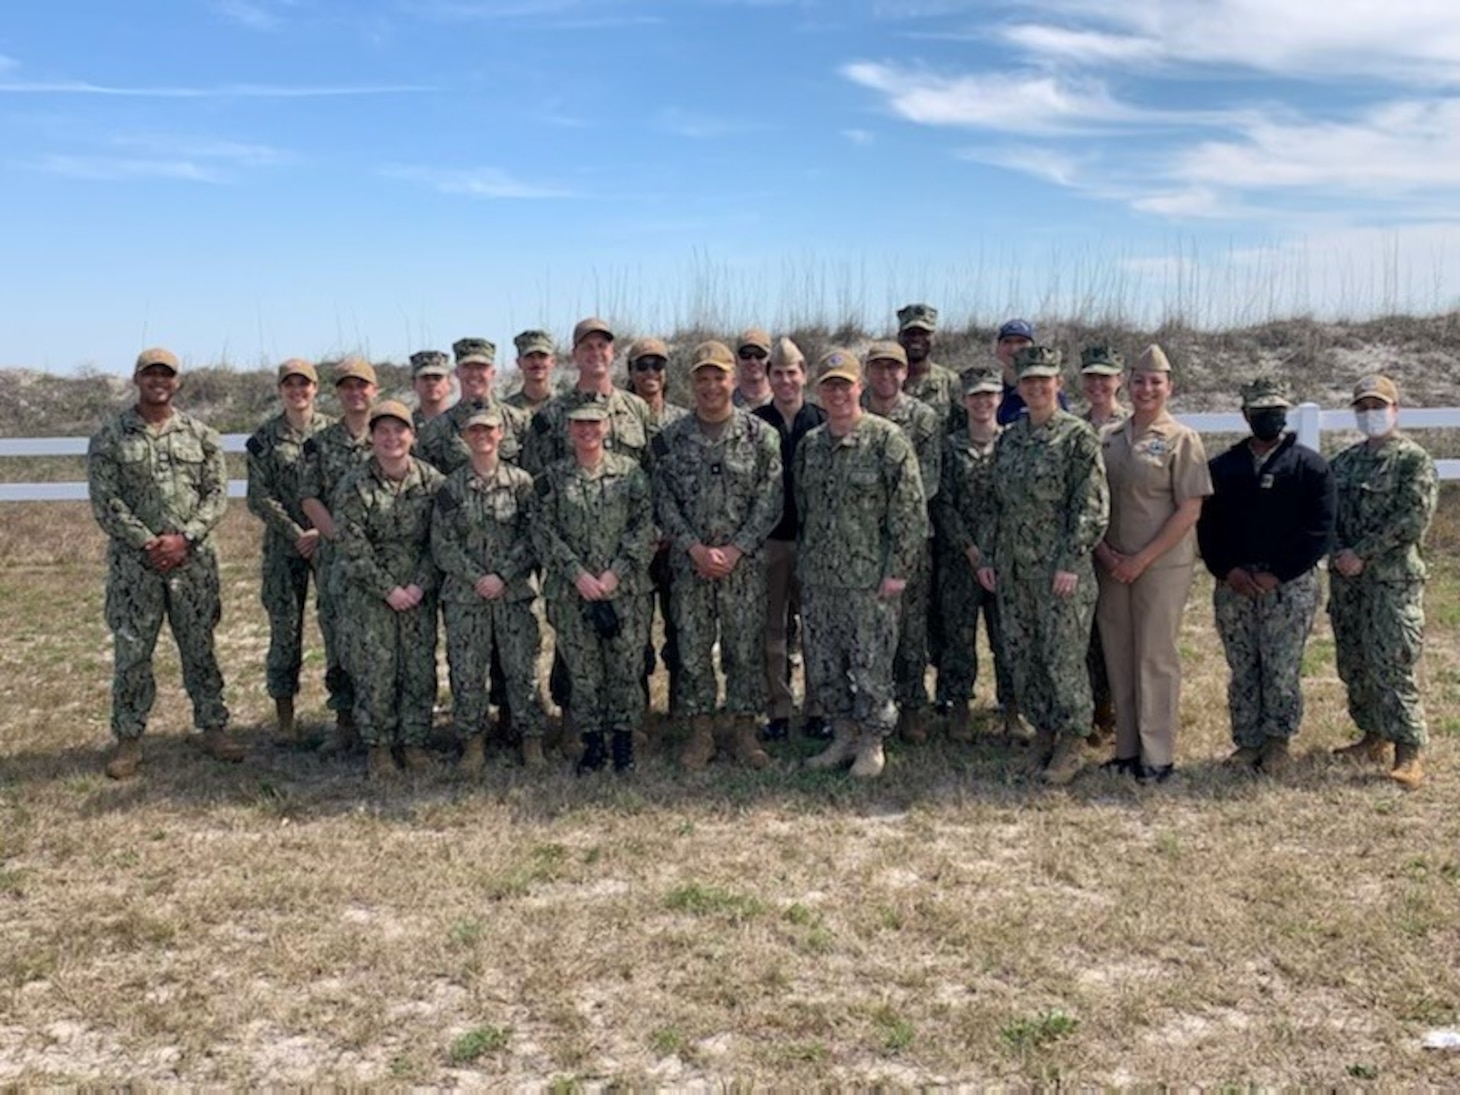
pixel 1308 419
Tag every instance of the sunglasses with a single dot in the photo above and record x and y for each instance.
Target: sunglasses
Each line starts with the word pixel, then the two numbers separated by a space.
pixel 650 364
pixel 751 355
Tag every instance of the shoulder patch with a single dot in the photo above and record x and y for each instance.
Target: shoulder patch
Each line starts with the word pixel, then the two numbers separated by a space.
pixel 254 446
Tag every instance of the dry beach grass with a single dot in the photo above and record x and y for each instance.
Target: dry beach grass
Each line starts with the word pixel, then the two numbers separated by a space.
pixel 282 921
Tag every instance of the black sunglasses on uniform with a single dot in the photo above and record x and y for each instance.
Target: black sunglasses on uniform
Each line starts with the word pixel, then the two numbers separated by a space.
pixel 650 364
pixel 752 355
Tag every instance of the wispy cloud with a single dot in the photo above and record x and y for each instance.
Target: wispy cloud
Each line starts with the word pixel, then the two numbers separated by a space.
pixel 474 182
pixel 247 13
pixel 859 136
pixel 702 127
pixel 161 156
pixel 123 168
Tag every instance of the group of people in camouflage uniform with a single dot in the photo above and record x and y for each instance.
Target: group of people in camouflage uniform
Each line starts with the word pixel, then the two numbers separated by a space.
pixel 882 519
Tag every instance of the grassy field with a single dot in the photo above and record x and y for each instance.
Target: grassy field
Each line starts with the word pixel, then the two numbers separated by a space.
pixel 284 922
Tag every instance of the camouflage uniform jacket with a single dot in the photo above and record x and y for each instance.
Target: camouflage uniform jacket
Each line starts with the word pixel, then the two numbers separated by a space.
pixel 964 510
pixel 1118 415
pixel 717 493
pixel 630 428
pixel 441 445
pixel 860 497
pixel 519 400
pixel 276 476
pixel 665 417
pixel 593 519
pixel 940 389
pixel 329 456
pixel 925 429
pixel 480 527
pixel 147 481
pixel 1386 497
pixel 1052 502
pixel 385 528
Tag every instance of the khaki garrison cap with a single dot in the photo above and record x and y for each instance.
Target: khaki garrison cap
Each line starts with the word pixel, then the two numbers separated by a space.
pixel 1153 359
pixel 786 352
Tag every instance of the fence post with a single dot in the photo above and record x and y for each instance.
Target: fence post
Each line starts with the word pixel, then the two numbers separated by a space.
pixel 1309 424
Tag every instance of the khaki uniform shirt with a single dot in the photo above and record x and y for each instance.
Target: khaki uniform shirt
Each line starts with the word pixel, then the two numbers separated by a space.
pixel 1151 472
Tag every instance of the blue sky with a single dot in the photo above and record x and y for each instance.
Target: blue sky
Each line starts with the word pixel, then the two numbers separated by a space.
pixel 246 180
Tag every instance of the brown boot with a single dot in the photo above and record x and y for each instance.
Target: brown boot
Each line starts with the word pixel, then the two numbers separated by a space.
pixel 1407 771
pixel 744 745
pixel 1015 729
pixel 286 732
pixel 960 724
pixel 346 738
pixel 1066 762
pixel 700 748
pixel 1276 759
pixel 218 745
pixel 532 756
pixel 126 758
pixel 1369 749
pixel 911 728
pixel 380 765
pixel 415 758
pixel 841 752
pixel 870 759
pixel 473 756
pixel 1041 750
pixel 1102 729
pixel 1243 758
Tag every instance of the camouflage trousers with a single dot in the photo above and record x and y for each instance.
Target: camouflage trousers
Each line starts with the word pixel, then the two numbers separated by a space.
pixel 732 611
pixel 1045 640
pixel 603 674
pixel 910 662
pixel 1378 633
pixel 284 592
pixel 960 602
pixel 1264 639
pixel 331 598
pixel 850 640
pixel 138 598
pixel 391 657
pixel 475 632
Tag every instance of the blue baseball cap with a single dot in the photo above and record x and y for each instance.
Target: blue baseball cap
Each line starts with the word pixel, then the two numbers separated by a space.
pixel 1017 328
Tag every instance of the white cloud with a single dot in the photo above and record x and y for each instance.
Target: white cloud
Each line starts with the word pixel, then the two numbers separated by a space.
pixel 163 156
pixel 1049 164
pixel 474 182
pixel 124 169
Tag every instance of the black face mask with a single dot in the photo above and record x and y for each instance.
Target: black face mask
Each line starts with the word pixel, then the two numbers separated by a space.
pixel 1267 423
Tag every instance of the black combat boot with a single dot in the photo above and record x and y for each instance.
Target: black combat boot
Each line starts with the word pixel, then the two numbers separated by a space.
pixel 594 756
pixel 623 750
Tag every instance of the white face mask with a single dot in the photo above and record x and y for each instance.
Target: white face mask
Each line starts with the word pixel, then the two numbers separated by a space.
pixel 1377 423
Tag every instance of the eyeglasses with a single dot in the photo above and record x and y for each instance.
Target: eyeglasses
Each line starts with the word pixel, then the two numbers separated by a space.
pixel 650 364
pixel 752 355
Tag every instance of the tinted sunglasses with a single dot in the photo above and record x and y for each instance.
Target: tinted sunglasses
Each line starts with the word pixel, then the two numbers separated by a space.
pixel 650 364
pixel 752 355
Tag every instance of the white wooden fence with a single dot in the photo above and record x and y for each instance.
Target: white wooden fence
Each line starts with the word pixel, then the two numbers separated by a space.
pixel 1310 420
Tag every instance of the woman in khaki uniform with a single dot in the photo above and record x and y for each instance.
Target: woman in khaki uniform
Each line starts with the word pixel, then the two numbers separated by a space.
pixel 1158 478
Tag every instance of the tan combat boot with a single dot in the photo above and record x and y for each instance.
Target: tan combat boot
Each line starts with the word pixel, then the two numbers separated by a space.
pixel 415 758
pixel 1041 750
pixel 1244 758
pixel 744 745
pixel 1102 729
pixel 870 759
pixel 960 724
pixel 346 738
pixel 532 756
pixel 1015 728
pixel 1066 762
pixel 841 752
pixel 380 765
pixel 286 731
pixel 1276 759
pixel 126 758
pixel 1369 749
pixel 1407 771
pixel 218 745
pixel 911 728
pixel 700 748
pixel 473 756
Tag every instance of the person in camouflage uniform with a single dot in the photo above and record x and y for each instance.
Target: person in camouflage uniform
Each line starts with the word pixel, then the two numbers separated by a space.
pixel 593 530
pixel 926 380
pixel 441 444
pixel 1101 369
pixel 481 544
pixel 717 494
pixel 536 359
pixel 291 542
pixel 1387 492
pixel 752 354
pixel 158 486
pixel 329 456
pixel 1262 531
pixel 431 381
pixel 925 429
pixel 1051 505
pixel 864 521
pixel 383 512
pixel 963 516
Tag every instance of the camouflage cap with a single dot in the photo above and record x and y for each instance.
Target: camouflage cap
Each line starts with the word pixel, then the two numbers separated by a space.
pixel 712 354
pixel 474 351
pixel 1265 391
pixel 1016 328
pixel 356 368
pixel 297 366
pixel 754 336
pixel 429 363
pixel 1101 361
pixel 982 378
pixel 785 352
pixel 156 355
pixel 489 415
pixel 647 347
pixel 923 316
pixel 591 326
pixel 593 408
pixel 1037 360
pixel 391 408
pixel 1153 359
pixel 1376 387
pixel 886 351
pixel 534 342
pixel 838 364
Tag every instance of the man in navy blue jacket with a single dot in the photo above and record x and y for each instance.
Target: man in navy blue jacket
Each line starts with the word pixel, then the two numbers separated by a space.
pixel 1262 531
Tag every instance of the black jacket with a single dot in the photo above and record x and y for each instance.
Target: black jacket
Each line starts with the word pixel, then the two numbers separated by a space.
pixel 1278 518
